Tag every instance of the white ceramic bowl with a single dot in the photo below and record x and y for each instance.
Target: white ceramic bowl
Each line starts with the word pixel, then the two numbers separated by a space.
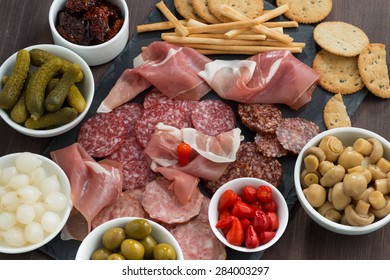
pixel 347 135
pixel 51 168
pixel 96 54
pixel 86 86
pixel 237 185
pixel 93 241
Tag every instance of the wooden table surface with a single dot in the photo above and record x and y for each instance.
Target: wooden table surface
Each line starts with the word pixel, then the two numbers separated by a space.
pixel 24 23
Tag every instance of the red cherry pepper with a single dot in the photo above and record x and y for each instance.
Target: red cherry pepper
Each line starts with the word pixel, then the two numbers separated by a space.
pixel 242 210
pixel 183 153
pixel 251 238
pixel 245 223
pixel 260 221
pixel 249 194
pixel 224 213
pixel 273 221
pixel 225 222
pixel 264 193
pixel 228 198
pixel 266 236
pixel 235 234
pixel 270 206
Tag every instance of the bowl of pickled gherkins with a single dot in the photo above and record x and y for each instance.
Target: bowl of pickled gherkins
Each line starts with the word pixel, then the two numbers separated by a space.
pixel 129 238
pixel 45 90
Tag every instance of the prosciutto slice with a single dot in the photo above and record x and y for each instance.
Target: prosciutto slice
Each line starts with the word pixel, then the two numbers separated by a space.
pixel 94 185
pixel 269 77
pixel 171 69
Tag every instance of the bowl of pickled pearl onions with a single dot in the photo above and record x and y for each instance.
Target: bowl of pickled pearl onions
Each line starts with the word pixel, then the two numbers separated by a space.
pixel 35 201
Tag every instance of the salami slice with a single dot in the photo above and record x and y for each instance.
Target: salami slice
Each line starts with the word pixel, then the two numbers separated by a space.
pixel 160 202
pixel 137 174
pixel 269 145
pixel 130 113
pixel 294 133
pixel 102 134
pixel 129 150
pixel 249 163
pixel 128 204
pixel 169 114
pixel 213 117
pixel 261 118
pixel 196 239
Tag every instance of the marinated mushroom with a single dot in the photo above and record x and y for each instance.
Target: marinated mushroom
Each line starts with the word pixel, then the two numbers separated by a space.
pixel 311 163
pixel 315 195
pixel 308 178
pixel 333 176
pixel 339 199
pixel 328 211
pixel 354 184
pixel 355 216
pixel 364 195
pixel 350 158
pixel 362 146
pixel 318 152
pixel 382 185
pixel 383 212
pixel 376 173
pixel 332 147
pixel 324 166
pixel 377 200
pixel 377 150
pixel 384 165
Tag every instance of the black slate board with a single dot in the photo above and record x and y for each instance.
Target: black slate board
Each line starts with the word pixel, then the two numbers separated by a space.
pixel 66 250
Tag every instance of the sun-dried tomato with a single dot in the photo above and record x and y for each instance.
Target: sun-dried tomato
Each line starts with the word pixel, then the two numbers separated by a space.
pixel 74 29
pixel 98 22
pixel 80 5
pixel 117 25
pixel 112 12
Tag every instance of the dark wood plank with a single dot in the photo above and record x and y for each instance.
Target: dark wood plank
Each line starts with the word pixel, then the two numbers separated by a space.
pixel 24 23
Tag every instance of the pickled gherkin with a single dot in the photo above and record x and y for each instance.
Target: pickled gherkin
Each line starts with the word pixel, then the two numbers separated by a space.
pixel 35 92
pixel 57 96
pixel 49 120
pixel 12 89
pixel 19 112
pixel 75 99
pixel 39 57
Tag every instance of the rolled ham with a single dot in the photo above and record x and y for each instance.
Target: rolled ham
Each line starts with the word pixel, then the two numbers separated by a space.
pixel 171 69
pixel 269 77
pixel 94 185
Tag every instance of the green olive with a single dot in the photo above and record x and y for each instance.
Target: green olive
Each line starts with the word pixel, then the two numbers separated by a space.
pixel 101 254
pixel 149 243
pixel 164 251
pixel 113 238
pixel 132 249
pixel 115 257
pixel 138 229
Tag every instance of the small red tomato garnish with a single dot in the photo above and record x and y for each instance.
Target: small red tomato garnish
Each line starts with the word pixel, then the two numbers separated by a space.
pixel 249 194
pixel 183 153
pixel 251 238
pixel 260 221
pixel 228 198
pixel 223 213
pixel 242 210
pixel 264 193
pixel 225 222
pixel 270 206
pixel 266 236
pixel 273 221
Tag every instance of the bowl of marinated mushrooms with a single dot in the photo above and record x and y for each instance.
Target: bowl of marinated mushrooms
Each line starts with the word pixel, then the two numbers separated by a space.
pixel 342 180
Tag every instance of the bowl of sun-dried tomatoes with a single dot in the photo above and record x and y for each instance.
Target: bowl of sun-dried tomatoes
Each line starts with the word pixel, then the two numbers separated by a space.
pixel 248 214
pixel 97 30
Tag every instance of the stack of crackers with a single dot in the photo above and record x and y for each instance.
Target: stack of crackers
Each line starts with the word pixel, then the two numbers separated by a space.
pixel 347 62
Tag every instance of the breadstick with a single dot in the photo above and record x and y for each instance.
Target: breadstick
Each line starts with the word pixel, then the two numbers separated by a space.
pixel 210 28
pixel 210 41
pixel 163 25
pixel 236 15
pixel 249 37
pixel 255 49
pixel 284 24
pixel 180 28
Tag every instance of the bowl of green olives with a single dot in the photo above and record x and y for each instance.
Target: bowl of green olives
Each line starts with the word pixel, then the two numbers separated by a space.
pixel 129 238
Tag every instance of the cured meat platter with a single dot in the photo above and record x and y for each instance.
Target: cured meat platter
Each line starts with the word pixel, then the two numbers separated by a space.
pixel 60 249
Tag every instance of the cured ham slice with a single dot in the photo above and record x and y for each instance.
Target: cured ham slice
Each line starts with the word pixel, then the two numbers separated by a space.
pixel 94 185
pixel 171 69
pixel 269 77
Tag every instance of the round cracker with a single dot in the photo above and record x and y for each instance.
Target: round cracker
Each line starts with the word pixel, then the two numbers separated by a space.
pixel 335 113
pixel 307 11
pixel 186 9
pixel 249 8
pixel 373 69
pixel 340 38
pixel 201 8
pixel 339 74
